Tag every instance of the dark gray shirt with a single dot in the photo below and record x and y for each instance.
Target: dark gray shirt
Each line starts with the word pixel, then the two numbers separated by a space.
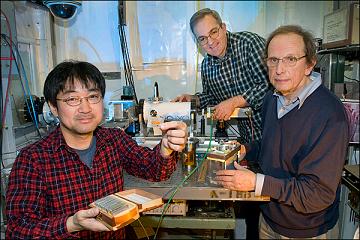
pixel 87 155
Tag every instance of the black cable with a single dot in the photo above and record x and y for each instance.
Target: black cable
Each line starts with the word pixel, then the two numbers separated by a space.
pixel 127 66
pixel 129 80
pixel 123 54
pixel 126 57
pixel 236 131
pixel 352 79
pixel 130 67
pixel 126 70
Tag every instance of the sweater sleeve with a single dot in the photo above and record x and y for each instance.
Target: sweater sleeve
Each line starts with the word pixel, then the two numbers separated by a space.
pixel 314 186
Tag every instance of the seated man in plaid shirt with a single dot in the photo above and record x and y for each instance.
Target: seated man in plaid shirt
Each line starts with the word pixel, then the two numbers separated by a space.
pixel 54 180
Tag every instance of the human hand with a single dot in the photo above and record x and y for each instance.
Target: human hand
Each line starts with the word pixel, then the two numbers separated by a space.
pixel 183 98
pixel 240 179
pixel 223 110
pixel 174 138
pixel 85 220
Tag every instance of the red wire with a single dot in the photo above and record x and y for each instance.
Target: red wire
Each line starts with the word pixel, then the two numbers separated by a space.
pixel 10 67
pixel 7 58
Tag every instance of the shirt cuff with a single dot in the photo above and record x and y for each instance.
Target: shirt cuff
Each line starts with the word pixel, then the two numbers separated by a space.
pixel 259 184
pixel 202 102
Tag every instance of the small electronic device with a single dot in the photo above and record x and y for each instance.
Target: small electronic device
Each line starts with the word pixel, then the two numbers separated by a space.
pixel 222 157
pixel 122 208
pixel 224 152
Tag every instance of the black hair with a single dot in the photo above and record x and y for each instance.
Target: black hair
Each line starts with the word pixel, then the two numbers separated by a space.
pixel 66 73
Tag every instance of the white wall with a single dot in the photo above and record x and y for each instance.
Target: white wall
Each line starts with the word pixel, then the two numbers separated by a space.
pixel 34 42
pixel 161 46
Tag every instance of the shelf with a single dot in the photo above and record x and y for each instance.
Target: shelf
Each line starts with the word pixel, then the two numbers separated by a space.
pixel 349 51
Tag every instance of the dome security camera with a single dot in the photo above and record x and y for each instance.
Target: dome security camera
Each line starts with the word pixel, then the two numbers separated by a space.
pixel 63 9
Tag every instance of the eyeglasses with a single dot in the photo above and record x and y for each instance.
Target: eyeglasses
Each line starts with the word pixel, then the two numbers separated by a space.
pixel 214 33
pixel 76 101
pixel 289 61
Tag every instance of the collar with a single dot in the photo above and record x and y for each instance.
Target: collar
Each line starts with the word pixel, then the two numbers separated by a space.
pixel 59 140
pixel 306 91
pixel 310 88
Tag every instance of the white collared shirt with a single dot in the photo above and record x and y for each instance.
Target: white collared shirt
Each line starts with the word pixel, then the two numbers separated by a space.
pixel 283 108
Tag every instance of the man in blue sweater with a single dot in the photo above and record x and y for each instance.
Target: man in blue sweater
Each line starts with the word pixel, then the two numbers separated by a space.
pixel 303 146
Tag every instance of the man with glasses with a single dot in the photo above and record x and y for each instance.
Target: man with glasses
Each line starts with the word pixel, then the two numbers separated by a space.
pixel 53 181
pixel 303 147
pixel 233 75
pixel 232 72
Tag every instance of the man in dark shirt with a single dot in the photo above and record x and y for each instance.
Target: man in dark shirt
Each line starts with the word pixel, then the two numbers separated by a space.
pixel 232 72
pixel 303 147
pixel 54 180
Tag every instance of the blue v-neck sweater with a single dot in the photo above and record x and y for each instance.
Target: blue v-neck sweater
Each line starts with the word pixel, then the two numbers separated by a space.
pixel 302 156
